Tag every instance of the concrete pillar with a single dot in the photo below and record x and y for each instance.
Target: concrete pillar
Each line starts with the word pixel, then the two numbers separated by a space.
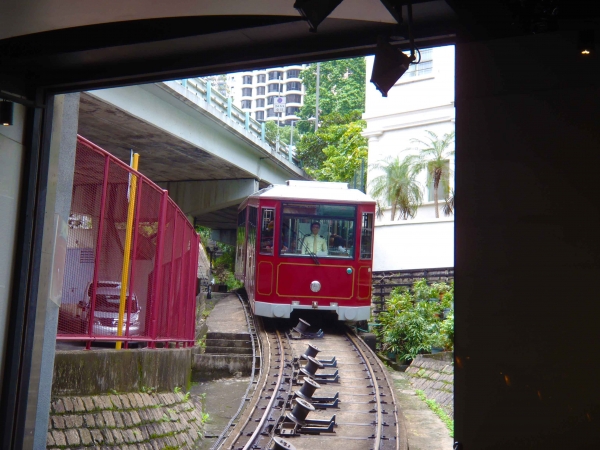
pixel 56 216
pixel 527 244
pixel 12 148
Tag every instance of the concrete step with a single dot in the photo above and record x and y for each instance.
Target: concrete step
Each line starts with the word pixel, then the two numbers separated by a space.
pixel 228 336
pixel 208 366
pixel 228 343
pixel 228 350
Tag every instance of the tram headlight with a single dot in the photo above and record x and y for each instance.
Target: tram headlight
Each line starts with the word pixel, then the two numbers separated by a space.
pixel 315 286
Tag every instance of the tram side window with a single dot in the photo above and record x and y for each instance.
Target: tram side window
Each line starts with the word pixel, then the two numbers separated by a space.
pixel 267 234
pixel 252 216
pixel 321 230
pixel 241 239
pixel 366 236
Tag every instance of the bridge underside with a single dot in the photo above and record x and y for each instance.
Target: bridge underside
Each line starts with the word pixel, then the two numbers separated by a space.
pixel 207 170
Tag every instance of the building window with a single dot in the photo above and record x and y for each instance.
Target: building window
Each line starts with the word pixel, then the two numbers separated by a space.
pixel 247 79
pixel 259 115
pixel 261 78
pixel 274 87
pixel 246 104
pixel 294 73
pixel 246 92
pixel 275 75
pixel 260 103
pixel 270 113
pixel 260 90
pixel 425 67
pixel 294 86
pixel 444 186
pixel 291 110
pixel 293 98
pixel 271 99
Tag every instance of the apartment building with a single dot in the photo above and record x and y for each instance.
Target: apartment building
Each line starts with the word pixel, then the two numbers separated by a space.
pixel 255 91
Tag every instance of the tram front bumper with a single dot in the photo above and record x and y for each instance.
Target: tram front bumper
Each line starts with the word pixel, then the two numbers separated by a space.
pixel 279 310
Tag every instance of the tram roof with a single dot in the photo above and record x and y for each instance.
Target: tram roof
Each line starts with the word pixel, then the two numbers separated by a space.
pixel 314 190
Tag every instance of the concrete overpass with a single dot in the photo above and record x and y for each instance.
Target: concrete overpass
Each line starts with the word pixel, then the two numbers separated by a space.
pixel 193 142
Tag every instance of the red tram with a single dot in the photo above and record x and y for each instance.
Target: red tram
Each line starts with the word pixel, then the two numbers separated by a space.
pixel 307 245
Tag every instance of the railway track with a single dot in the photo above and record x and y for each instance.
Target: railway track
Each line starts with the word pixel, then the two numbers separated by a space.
pixel 314 393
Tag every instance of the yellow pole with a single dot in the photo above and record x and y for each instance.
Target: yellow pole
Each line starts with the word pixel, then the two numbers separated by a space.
pixel 127 250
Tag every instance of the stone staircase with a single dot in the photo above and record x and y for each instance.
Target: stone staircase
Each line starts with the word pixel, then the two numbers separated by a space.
pixel 225 355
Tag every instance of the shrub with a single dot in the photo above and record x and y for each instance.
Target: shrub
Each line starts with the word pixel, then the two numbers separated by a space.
pixel 413 320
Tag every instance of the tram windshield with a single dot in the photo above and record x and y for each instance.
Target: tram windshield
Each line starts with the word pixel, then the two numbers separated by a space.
pixel 318 229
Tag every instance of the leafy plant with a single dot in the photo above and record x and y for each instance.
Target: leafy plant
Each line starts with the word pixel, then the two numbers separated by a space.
pixel 434 154
pixel 177 390
pixel 413 320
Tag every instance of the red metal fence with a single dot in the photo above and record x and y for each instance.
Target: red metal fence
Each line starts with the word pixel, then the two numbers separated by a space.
pixel 160 300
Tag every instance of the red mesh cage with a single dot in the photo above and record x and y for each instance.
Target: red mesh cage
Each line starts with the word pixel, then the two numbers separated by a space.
pixel 159 303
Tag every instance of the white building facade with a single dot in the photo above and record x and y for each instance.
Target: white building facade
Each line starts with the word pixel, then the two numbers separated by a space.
pixel 255 91
pixel 421 100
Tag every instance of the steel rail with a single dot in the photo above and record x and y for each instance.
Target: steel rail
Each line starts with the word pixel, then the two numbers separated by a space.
pixel 267 413
pixel 377 393
pixel 252 329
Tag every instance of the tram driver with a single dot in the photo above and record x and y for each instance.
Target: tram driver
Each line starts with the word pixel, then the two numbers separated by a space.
pixel 314 243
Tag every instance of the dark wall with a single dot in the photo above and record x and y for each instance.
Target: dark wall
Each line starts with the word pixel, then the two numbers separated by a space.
pixel 527 244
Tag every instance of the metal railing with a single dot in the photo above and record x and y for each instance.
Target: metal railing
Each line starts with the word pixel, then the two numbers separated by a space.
pixel 203 90
pixel 384 282
pixel 158 301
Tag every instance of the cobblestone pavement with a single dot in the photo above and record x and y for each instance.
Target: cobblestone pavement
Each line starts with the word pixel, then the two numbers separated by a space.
pixel 125 422
pixel 436 380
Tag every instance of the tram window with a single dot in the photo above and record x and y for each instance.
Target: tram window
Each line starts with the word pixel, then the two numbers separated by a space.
pixel 241 239
pixel 318 229
pixel 366 236
pixel 267 234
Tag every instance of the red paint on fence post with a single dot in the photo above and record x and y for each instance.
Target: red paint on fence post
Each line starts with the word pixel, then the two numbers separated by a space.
pixel 158 281
pixel 94 285
pixel 171 278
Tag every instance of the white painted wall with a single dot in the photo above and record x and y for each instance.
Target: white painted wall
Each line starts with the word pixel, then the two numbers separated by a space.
pixel 413 105
pixel 414 245
pixel 12 150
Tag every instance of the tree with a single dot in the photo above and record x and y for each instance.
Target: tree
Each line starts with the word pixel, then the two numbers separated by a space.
pixel 341 88
pixel 398 187
pixel 434 154
pixel 335 151
pixel 284 133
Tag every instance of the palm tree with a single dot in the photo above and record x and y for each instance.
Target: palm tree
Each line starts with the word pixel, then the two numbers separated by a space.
pixel 398 187
pixel 433 156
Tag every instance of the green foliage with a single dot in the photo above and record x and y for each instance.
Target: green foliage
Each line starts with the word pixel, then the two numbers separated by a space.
pixel 412 322
pixel 341 89
pixel 201 343
pixel 285 132
pixel 398 187
pixel 205 417
pixel 335 151
pixel 177 390
pixel 434 154
pixel 436 408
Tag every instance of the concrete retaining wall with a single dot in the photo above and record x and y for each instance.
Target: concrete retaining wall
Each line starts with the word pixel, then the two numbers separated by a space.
pixel 125 421
pixel 85 372
pixel 434 375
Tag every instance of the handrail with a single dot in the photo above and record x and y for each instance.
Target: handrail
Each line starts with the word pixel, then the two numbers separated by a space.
pixel 223 104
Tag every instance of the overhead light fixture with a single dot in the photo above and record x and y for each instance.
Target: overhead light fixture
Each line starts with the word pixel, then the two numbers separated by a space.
pixel 6 113
pixel 586 43
pixel 390 64
pixel 315 11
